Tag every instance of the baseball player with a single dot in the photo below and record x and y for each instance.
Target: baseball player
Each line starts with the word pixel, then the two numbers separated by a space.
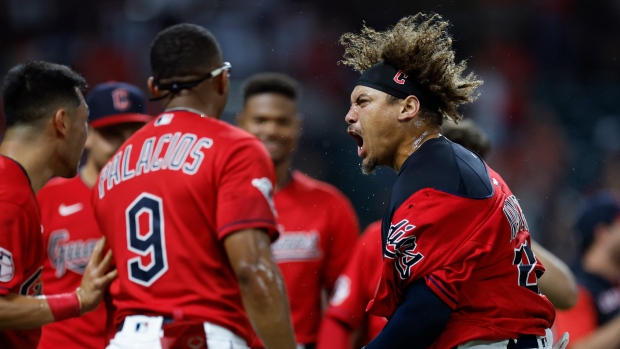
pixel 45 115
pixel 317 222
pixel 346 314
pixel 117 110
pixel 458 270
pixel 186 204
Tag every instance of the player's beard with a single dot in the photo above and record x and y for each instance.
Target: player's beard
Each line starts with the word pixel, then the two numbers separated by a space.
pixel 368 166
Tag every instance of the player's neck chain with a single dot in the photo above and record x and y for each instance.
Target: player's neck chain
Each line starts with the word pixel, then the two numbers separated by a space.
pixel 202 115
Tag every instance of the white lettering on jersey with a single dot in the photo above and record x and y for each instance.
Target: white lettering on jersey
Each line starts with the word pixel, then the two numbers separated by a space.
pixel 7 268
pixel 67 210
pixel 126 172
pixel 156 161
pixel 69 255
pixel 515 216
pixel 297 246
pixel 185 152
pixel 266 188
pixel 342 290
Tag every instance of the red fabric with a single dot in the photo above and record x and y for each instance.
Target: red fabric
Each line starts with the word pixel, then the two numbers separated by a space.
pixel 334 334
pixel 318 231
pixel 70 235
pixel 64 306
pixel 579 321
pixel 355 287
pixel 21 248
pixel 465 252
pixel 187 182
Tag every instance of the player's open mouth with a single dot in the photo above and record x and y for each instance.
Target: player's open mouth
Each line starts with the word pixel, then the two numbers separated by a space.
pixel 360 142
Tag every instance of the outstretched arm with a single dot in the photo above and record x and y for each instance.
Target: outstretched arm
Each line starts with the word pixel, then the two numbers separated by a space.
pixel 558 282
pixel 262 288
pixel 24 312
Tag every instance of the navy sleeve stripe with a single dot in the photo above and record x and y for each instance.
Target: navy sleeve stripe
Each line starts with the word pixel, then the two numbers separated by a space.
pixel 442 290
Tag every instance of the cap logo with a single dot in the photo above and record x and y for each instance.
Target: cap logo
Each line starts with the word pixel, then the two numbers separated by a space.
pixel 120 98
pixel 397 78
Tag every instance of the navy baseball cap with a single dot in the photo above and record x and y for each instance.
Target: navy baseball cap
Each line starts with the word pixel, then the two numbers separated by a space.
pixel 114 103
pixel 601 208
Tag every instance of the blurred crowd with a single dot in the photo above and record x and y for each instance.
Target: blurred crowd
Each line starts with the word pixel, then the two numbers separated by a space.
pixel 549 102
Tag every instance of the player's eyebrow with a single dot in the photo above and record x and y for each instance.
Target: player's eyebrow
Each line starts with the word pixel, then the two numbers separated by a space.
pixel 360 96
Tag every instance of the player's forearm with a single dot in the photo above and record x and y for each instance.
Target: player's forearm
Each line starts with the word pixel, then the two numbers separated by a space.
pixel 605 337
pixel 558 282
pixel 266 304
pixel 21 312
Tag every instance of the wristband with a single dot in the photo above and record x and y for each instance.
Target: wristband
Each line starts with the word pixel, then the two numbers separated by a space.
pixel 64 306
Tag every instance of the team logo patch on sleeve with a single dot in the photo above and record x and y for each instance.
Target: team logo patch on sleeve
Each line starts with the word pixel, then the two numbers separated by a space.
pixel 266 188
pixel 342 290
pixel 401 247
pixel 7 268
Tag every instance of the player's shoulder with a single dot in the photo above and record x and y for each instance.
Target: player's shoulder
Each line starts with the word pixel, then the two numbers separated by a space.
pixel 372 228
pixel 58 187
pixel 316 187
pixel 444 166
pixel 14 182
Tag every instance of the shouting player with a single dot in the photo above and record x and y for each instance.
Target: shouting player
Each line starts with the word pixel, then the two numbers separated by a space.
pixel 346 317
pixel 458 268
pixel 186 204
pixel 45 116
pixel 117 110
pixel 317 222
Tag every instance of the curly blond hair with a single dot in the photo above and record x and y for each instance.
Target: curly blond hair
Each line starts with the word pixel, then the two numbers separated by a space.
pixel 421 47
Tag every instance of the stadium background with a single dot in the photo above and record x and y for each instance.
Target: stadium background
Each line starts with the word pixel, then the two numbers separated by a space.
pixel 550 102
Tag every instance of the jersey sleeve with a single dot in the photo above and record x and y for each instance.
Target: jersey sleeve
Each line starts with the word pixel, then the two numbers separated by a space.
pixel 245 190
pixel 432 236
pixel 13 225
pixel 344 234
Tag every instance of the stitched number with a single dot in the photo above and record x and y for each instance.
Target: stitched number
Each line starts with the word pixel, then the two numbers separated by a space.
pixel 145 237
pixel 526 264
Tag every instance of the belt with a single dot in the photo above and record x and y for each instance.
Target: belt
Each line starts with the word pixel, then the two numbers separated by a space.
pixel 524 342
pixel 306 346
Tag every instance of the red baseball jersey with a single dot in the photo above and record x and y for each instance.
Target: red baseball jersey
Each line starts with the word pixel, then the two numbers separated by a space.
pixel 318 231
pixel 21 247
pixel 70 235
pixel 356 286
pixel 167 200
pixel 473 251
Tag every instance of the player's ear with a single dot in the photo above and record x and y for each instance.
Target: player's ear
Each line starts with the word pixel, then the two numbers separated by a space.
pixel 60 123
pixel 153 88
pixel 409 108
pixel 222 82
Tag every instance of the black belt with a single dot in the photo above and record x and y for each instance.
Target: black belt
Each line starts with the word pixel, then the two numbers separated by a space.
pixel 529 341
pixel 307 346
pixel 167 320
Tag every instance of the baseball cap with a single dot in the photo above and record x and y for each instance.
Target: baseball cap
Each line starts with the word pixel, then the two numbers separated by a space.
pixel 114 103
pixel 602 208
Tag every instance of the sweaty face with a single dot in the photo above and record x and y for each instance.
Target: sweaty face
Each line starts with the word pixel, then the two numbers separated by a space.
pixel 272 118
pixel 103 142
pixel 372 124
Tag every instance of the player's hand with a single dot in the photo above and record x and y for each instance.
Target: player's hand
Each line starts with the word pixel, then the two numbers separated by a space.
pixel 96 278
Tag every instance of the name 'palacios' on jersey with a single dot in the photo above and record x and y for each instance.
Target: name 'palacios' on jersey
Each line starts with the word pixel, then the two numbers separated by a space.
pixel 184 151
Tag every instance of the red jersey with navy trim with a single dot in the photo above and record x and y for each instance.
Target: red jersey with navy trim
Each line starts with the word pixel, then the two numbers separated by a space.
pixel 356 286
pixel 318 231
pixel 167 200
pixel 21 247
pixel 455 223
pixel 70 235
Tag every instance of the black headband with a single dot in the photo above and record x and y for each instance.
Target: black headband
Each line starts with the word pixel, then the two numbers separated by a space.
pixel 388 79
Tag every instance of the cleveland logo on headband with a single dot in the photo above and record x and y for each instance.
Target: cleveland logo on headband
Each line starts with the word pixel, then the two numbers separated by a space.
pixel 395 82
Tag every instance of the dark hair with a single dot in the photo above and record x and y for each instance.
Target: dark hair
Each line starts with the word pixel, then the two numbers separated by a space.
pixel 469 135
pixel 184 50
pixel 271 83
pixel 31 90
pixel 421 46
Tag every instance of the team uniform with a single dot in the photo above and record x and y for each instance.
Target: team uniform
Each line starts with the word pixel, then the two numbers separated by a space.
pixel 21 247
pixel 356 286
pixel 318 228
pixel 598 304
pixel 166 201
pixel 70 235
pixel 453 222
